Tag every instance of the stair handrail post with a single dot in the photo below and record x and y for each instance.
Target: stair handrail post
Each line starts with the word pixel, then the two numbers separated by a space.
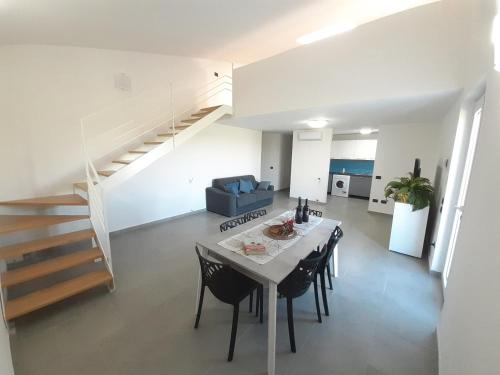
pixel 173 113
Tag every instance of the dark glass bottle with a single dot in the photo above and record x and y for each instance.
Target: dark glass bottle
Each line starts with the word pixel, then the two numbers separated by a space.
pixel 298 212
pixel 305 212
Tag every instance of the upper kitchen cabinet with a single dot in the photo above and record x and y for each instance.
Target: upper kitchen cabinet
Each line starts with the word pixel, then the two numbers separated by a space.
pixel 361 149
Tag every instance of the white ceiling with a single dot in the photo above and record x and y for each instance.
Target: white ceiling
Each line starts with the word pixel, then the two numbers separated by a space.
pixel 348 118
pixel 239 31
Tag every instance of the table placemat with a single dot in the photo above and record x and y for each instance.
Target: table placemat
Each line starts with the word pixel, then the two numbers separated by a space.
pixel 273 247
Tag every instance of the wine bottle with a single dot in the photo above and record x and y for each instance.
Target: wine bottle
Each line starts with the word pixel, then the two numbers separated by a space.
pixel 298 212
pixel 305 212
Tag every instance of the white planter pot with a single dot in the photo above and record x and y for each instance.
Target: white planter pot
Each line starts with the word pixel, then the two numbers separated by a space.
pixel 408 229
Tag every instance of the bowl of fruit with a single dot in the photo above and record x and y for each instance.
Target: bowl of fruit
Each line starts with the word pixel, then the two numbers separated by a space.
pixel 284 231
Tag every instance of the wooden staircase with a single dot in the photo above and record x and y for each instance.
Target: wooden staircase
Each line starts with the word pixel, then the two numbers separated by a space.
pixel 15 276
pixel 149 145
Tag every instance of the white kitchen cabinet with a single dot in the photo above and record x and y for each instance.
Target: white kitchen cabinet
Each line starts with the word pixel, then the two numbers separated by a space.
pixel 361 149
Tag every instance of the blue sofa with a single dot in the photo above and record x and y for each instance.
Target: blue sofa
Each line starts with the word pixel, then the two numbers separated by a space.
pixel 220 201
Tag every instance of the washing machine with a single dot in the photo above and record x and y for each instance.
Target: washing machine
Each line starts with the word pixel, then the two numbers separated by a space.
pixel 340 185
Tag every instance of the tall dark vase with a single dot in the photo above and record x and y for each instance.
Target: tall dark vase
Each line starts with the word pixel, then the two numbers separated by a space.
pixel 305 212
pixel 298 212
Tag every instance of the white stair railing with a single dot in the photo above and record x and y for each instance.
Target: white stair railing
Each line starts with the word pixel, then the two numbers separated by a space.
pixel 135 118
pixel 107 131
pixel 97 209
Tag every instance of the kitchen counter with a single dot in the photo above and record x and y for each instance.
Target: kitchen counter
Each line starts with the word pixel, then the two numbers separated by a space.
pixel 359 184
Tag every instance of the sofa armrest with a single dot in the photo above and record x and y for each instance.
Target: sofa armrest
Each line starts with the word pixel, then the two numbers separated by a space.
pixel 270 187
pixel 220 201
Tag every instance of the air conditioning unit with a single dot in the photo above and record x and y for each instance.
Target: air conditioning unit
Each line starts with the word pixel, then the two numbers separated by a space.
pixel 310 136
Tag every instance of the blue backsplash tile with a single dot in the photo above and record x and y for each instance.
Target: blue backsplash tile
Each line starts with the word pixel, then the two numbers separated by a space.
pixel 352 166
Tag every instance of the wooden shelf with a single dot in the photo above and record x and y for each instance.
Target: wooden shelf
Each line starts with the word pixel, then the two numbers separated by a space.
pixel 23 274
pixel 57 200
pixel 58 292
pixel 14 223
pixel 18 250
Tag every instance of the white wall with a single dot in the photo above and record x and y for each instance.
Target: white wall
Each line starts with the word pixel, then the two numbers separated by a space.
pixel 44 92
pixel 398 147
pixel 469 328
pixel 361 149
pixel 176 183
pixel 310 166
pixel 276 161
pixel 402 55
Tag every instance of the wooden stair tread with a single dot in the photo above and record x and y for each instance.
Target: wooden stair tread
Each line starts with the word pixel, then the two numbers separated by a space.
pixel 138 151
pixel 57 200
pixel 154 142
pixel 23 274
pixel 123 161
pixel 18 250
pixel 181 127
pixel 13 223
pixel 81 185
pixel 105 173
pixel 191 120
pixel 44 297
pixel 209 109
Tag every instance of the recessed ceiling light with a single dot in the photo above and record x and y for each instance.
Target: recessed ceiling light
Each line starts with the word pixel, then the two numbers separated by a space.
pixel 317 123
pixel 326 32
pixel 366 131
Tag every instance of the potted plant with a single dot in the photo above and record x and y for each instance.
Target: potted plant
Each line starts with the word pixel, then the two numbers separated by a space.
pixel 412 196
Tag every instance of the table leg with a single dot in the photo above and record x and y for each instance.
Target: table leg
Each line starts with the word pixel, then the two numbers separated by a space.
pixel 335 260
pixel 204 253
pixel 271 329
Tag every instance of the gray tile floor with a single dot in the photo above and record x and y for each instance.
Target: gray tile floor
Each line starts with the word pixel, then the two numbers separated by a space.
pixel 385 309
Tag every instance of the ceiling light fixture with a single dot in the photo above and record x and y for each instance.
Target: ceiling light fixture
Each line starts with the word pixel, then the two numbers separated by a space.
pixel 366 131
pixel 324 33
pixel 318 123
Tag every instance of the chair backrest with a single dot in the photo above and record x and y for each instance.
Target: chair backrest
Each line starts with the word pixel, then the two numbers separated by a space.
pixel 233 223
pixel 315 213
pixel 334 239
pixel 300 279
pixel 218 277
pixel 256 214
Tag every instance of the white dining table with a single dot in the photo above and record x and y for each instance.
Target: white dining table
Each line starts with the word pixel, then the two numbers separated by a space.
pixel 272 272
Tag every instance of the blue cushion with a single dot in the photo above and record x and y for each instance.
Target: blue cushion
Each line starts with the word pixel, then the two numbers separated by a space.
pixel 233 187
pixel 263 185
pixel 246 186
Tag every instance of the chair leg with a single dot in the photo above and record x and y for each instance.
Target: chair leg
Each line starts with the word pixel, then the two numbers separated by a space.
pixel 261 305
pixel 291 333
pixel 329 275
pixel 323 292
pixel 200 303
pixel 257 302
pixel 316 298
pixel 236 311
pixel 250 305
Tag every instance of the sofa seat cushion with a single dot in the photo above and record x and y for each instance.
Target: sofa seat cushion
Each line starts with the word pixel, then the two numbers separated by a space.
pixel 263 194
pixel 245 199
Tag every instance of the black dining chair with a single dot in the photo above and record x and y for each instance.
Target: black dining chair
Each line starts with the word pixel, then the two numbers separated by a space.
pixel 324 265
pixel 296 284
pixel 315 213
pixel 233 223
pixel 227 285
pixel 256 214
